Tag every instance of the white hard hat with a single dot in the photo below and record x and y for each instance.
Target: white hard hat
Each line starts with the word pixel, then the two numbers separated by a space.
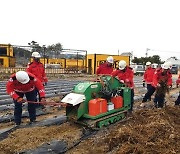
pixel 165 66
pixel 22 77
pixel 122 64
pixel 148 63
pixel 110 59
pixel 36 55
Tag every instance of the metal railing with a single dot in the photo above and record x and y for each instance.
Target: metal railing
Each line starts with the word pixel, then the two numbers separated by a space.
pixel 11 70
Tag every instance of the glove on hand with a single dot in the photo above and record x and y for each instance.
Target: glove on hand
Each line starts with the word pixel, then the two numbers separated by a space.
pixel 127 80
pixel 158 85
pixel 45 84
pixel 122 81
pixel 43 99
pixel 143 84
pixel 21 100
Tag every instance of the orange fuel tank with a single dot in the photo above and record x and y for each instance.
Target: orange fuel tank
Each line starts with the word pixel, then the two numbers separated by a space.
pixel 117 101
pixel 97 106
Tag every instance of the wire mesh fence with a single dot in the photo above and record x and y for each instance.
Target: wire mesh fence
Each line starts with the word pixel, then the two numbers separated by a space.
pixel 69 70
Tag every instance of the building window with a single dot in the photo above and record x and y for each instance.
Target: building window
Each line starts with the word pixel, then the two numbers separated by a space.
pixel 3 51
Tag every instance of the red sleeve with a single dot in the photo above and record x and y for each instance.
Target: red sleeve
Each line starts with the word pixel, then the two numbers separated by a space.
pixel 145 75
pixel 40 87
pixel 169 83
pixel 155 81
pixel 10 89
pixel 98 70
pixel 28 69
pixel 114 73
pixel 130 76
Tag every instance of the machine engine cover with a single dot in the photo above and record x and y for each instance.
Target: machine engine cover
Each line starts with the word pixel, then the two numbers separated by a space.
pixel 73 99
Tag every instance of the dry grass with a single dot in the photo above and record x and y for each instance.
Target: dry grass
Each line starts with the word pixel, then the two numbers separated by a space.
pixel 30 138
pixel 148 131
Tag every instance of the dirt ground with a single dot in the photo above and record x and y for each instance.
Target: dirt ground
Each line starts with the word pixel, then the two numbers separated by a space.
pixel 147 131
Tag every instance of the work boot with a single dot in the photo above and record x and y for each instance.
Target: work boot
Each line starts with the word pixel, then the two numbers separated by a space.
pixel 149 99
pixel 40 106
pixel 17 124
pixel 155 104
pixel 129 113
pixel 144 100
pixel 177 103
pixel 32 122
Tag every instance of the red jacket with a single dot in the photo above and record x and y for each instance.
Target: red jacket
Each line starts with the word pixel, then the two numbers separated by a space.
pixel 13 86
pixel 38 70
pixel 126 76
pixel 159 76
pixel 104 69
pixel 178 80
pixel 148 75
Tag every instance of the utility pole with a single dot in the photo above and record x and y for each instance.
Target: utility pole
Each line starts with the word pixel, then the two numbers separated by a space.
pixel 77 62
pixel 44 53
pixel 131 57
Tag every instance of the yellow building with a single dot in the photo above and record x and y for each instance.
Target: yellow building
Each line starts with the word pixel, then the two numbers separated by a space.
pixel 67 63
pixel 90 63
pixel 7 58
pixel 64 63
pixel 94 60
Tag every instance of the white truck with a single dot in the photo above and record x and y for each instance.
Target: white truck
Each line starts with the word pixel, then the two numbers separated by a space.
pixel 138 69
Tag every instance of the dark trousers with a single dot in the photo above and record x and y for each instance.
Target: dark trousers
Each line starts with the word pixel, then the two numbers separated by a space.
pixel 150 91
pixel 159 101
pixel 132 100
pixel 38 98
pixel 149 87
pixel 30 96
pixel 37 94
pixel 177 102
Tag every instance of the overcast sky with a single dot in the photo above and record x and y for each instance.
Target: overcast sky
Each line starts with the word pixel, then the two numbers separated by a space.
pixel 98 26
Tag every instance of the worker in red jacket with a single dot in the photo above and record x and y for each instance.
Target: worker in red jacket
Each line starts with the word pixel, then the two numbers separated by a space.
pixel 148 74
pixel 147 79
pixel 125 75
pixel 177 102
pixel 20 84
pixel 162 80
pixel 37 68
pixel 106 68
pixel 178 81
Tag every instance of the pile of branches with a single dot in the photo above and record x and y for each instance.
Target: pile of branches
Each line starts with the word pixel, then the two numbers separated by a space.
pixel 148 131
